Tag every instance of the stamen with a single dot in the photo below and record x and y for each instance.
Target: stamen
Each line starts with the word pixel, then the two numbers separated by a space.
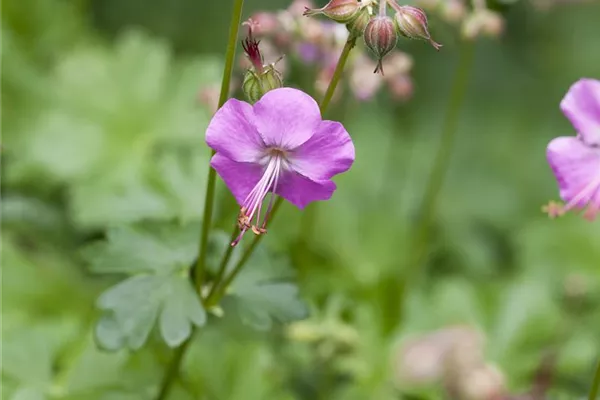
pixel 590 194
pixel 587 194
pixel 252 205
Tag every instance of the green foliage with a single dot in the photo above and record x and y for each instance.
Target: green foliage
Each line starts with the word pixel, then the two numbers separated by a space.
pixel 263 292
pixel 158 258
pixel 103 133
pixel 133 108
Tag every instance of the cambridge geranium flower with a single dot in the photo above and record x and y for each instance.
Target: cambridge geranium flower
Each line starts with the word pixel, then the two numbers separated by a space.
pixel 280 146
pixel 575 161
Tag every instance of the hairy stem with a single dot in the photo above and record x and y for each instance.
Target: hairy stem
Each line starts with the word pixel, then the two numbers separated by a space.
pixel 595 389
pixel 216 294
pixel 200 268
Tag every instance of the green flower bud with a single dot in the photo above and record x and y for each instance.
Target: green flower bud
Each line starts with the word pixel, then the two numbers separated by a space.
pixel 357 26
pixel 256 84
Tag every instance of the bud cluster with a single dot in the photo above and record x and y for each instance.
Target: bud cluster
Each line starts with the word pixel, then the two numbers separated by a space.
pixel 317 42
pixel 380 32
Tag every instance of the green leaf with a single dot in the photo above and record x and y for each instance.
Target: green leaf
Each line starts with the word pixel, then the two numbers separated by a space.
pixel 105 146
pixel 181 178
pixel 147 247
pixel 180 308
pixel 161 254
pixel 263 293
pixel 134 305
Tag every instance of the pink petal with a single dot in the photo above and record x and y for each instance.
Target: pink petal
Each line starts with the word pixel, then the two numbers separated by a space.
pixel 329 152
pixel 239 177
pixel 577 170
pixel 581 106
pixel 300 191
pixel 286 117
pixel 232 132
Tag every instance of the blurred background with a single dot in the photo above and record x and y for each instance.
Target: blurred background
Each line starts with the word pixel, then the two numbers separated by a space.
pixel 104 107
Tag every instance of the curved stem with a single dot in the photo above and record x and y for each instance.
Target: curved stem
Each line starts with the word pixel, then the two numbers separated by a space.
pixel 199 270
pixel 337 74
pixel 382 8
pixel 216 295
pixel 595 390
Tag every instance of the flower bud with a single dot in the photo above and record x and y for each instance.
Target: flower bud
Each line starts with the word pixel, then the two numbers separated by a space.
pixel 380 37
pixel 412 23
pixel 357 26
pixel 256 84
pixel 338 10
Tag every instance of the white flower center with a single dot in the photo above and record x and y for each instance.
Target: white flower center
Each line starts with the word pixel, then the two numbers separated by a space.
pixel 275 163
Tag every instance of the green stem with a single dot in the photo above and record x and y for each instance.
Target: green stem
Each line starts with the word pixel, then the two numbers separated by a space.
pixel 172 370
pixel 223 264
pixel 443 155
pixel 399 291
pixel 216 295
pixel 200 268
pixel 337 74
pixel 595 389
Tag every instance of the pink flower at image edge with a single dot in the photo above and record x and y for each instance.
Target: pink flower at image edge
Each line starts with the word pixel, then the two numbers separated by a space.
pixel 279 145
pixel 575 160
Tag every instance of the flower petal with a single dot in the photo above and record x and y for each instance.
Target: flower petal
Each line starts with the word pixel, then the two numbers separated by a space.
pixel 239 177
pixel 232 132
pixel 286 117
pixel 299 190
pixel 581 105
pixel 328 152
pixel 577 170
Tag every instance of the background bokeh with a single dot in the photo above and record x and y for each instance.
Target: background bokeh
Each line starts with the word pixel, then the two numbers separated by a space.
pixel 102 126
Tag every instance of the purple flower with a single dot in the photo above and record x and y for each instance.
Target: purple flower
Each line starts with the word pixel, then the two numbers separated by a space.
pixel 279 145
pixel 575 161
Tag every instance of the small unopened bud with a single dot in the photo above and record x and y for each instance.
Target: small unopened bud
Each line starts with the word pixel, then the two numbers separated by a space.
pixel 412 23
pixel 259 78
pixel 338 10
pixel 380 37
pixel 257 84
pixel 357 26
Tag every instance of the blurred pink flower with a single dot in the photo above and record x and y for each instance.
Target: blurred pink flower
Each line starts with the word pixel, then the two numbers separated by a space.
pixel 575 161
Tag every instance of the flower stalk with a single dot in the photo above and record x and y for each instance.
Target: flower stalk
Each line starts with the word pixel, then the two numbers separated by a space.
pixel 200 267
pixel 436 178
pixel 444 153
